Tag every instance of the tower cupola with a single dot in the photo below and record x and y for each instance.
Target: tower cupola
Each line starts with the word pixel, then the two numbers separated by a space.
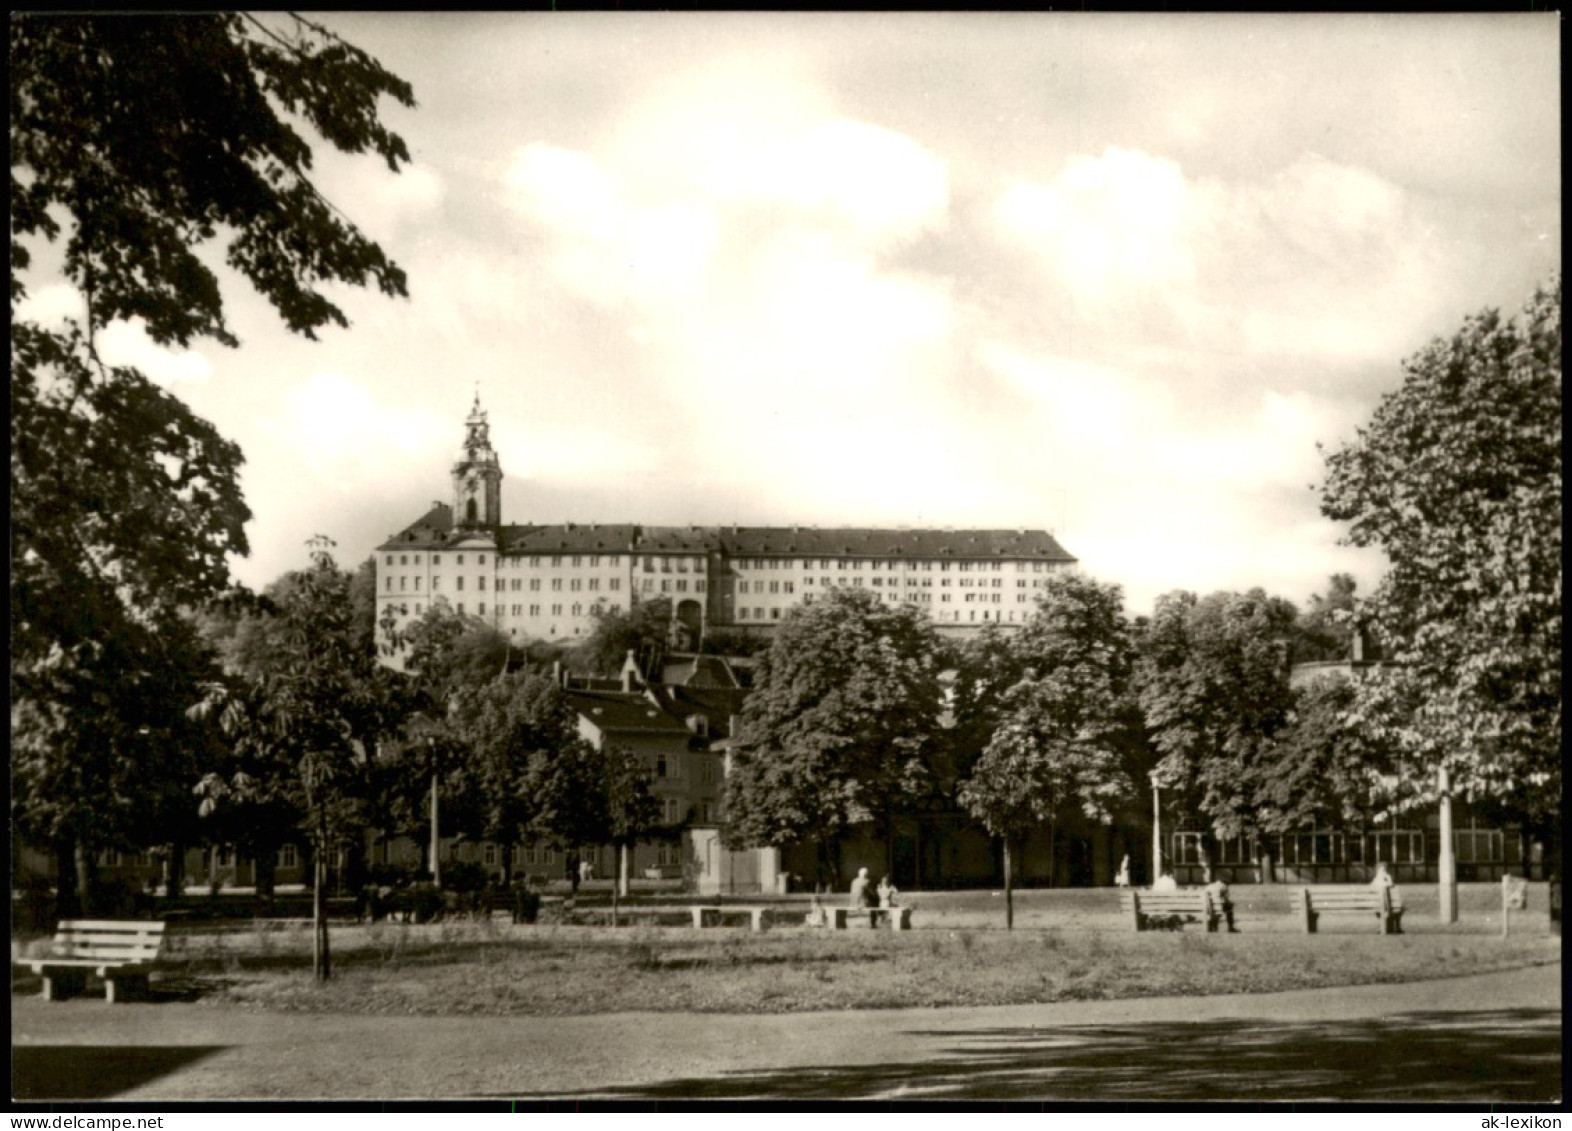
pixel 477 476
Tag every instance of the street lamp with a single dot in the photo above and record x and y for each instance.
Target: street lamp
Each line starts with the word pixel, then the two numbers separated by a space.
pixel 1157 828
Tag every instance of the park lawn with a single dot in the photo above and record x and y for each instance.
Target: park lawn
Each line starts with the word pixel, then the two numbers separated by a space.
pixel 499 969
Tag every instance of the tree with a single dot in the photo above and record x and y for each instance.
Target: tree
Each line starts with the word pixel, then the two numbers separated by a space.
pixel 1325 768
pixel 1212 682
pixel 135 139
pixel 1325 628
pixel 643 630
pixel 507 729
pixel 841 725
pixel 631 808
pixel 1063 723
pixel 1457 479
pixel 304 722
pixel 447 654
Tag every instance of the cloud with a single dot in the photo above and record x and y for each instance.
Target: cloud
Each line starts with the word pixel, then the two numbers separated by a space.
pixel 339 438
pixel 52 304
pixel 1317 258
pixel 1158 496
pixel 127 343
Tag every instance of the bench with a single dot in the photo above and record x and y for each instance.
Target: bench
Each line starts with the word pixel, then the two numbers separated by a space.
pixel 899 918
pixel 1375 902
pixel 119 952
pixel 713 915
pixel 1152 910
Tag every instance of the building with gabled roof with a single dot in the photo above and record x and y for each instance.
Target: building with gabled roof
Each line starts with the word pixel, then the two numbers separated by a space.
pixel 543 582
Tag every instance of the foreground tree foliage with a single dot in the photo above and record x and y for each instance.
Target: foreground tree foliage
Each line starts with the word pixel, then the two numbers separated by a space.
pixel 1457 479
pixel 134 140
pixel 1064 718
pixel 841 725
pixel 1212 682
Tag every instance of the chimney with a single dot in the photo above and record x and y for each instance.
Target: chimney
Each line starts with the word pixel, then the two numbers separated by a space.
pixel 556 673
pixel 630 671
pixel 1359 645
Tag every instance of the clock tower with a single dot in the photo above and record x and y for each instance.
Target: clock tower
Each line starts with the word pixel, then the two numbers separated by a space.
pixel 477 476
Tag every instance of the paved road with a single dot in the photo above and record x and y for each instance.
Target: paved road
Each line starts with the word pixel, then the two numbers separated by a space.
pixel 1494 1037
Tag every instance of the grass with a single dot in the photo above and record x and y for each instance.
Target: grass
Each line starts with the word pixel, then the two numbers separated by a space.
pixel 1069 945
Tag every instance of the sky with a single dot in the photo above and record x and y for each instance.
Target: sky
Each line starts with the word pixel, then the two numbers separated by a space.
pixel 1111 276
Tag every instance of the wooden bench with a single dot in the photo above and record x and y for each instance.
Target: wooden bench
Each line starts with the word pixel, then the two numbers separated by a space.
pixel 1150 910
pixel 899 918
pixel 119 952
pixel 1374 902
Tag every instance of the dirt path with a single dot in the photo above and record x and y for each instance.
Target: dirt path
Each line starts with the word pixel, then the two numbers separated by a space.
pixel 1494 1037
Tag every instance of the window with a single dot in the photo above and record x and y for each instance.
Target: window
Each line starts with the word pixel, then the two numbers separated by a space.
pixel 417 584
pixel 775 587
pixel 436 583
pixel 616 583
pixel 534 562
pixel 480 583
pixel 578 609
pixel 534 585
pixel 594 560
pixel 287 857
pixel 556 584
pixel 698 586
pixel 491 855
pixel 403 559
pixel 682 585
pixel 461 559
pixel 660 765
pixel 534 610
pixel 388 560
pixel 614 559
pixel 459 582
pixel 576 561
pixel 461 608
pixel 574 585
pixel 556 560
pixel 649 585
pixel 436 559
pixel 556 610
pixel 480 559
pixel 665 586
pixel 742 613
pixel 481 610
pixel 594 584
pixel 775 614
pixel 673 813
pixel 389 585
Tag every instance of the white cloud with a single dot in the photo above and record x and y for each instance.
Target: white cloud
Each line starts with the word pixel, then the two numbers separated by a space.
pixel 1317 258
pixel 52 304
pixel 339 437
pixel 127 343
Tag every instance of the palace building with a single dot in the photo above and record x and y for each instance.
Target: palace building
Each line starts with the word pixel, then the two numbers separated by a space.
pixel 536 582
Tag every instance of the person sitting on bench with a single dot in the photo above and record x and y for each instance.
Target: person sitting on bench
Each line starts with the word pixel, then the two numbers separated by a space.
pixel 1383 879
pixel 887 893
pixel 1218 890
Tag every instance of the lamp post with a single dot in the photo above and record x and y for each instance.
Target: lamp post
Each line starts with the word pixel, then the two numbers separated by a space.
pixel 1157 829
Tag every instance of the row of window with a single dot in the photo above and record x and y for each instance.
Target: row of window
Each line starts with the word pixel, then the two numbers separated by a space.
pixel 1391 846
pixel 577 561
pixel 876 564
pixel 667 586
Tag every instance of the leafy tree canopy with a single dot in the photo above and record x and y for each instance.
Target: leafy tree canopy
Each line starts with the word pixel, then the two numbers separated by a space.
pixel 842 722
pixel 153 134
pixel 644 630
pixel 1065 718
pixel 1457 479
pixel 1213 686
